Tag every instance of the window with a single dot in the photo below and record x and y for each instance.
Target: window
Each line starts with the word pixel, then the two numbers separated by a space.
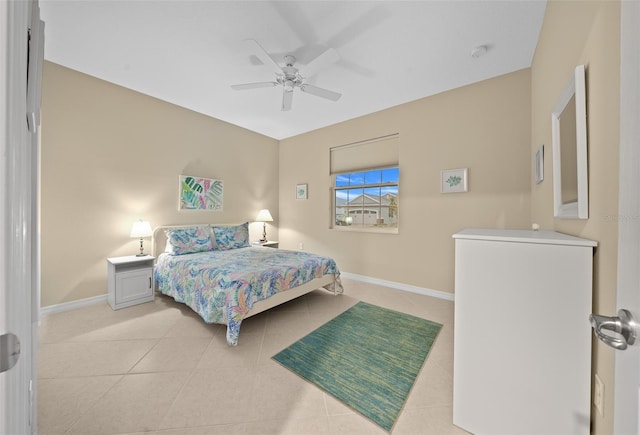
pixel 367 199
pixel 365 180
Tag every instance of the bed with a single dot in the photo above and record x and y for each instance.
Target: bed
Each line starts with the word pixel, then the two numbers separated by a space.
pixel 216 272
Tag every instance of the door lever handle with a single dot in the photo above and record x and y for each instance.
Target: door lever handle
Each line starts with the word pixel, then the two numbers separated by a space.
pixel 624 327
pixel 9 351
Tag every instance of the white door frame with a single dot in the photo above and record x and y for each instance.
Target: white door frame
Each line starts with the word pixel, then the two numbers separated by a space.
pixel 18 218
pixel 627 363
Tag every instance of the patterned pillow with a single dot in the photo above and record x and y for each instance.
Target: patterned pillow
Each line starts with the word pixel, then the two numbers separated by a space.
pixel 231 237
pixel 188 240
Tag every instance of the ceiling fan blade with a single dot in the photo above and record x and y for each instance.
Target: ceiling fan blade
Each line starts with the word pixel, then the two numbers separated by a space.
pixel 320 92
pixel 324 60
pixel 254 85
pixel 287 98
pixel 264 57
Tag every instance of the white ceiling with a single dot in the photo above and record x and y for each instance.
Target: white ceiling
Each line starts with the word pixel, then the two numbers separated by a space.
pixel 190 52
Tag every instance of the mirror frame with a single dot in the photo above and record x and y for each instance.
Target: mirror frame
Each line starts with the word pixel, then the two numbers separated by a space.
pixel 578 209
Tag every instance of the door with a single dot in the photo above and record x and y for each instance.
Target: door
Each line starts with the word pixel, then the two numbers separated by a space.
pixel 627 362
pixel 18 213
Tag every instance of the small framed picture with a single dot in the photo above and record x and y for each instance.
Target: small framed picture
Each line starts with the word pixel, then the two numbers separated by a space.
pixel 301 191
pixel 539 162
pixel 453 180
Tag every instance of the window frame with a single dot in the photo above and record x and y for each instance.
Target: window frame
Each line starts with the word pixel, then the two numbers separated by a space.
pixel 333 225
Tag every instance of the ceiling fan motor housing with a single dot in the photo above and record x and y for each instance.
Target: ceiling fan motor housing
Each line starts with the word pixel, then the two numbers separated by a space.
pixel 291 77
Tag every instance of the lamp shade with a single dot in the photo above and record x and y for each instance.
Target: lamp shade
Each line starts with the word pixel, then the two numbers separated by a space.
pixel 141 229
pixel 264 216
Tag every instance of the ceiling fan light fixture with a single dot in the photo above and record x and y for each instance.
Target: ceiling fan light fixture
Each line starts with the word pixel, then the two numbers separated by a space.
pixel 289 85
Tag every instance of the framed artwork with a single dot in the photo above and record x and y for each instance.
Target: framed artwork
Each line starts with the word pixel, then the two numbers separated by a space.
pixel 453 180
pixel 539 162
pixel 198 193
pixel 301 191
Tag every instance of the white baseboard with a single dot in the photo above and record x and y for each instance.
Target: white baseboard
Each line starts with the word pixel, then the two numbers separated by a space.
pixel 67 306
pixel 400 286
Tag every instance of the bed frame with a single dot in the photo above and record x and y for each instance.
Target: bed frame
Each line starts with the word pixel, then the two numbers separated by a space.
pixel 159 243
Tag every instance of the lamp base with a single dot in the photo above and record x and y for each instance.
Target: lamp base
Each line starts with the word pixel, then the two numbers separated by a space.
pixel 141 254
pixel 264 233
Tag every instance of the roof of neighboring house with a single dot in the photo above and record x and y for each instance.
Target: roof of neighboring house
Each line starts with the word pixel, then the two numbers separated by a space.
pixel 365 199
pixel 340 202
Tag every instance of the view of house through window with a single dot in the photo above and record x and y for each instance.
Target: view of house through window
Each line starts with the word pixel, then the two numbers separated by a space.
pixel 367 199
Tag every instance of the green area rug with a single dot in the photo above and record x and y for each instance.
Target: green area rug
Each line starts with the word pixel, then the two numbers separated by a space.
pixel 367 357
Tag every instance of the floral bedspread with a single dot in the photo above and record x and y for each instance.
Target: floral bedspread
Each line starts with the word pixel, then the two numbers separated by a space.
pixel 222 286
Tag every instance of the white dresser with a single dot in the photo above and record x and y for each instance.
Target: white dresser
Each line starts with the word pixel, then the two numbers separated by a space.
pixel 522 346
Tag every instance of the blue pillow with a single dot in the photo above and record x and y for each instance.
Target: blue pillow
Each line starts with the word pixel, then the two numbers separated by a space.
pixel 189 240
pixel 231 237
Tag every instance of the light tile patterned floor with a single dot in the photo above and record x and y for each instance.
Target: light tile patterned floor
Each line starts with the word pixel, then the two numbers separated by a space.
pixel 158 368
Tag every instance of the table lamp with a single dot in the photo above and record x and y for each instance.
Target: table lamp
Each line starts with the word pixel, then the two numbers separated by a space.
pixel 264 216
pixel 141 229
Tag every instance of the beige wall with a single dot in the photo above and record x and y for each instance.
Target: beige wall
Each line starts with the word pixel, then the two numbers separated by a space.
pixel 586 33
pixel 484 127
pixel 111 156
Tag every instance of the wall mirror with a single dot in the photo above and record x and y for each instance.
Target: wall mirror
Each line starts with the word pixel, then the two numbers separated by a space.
pixel 569 131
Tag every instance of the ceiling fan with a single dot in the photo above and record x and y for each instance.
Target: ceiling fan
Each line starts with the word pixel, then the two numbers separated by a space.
pixel 290 77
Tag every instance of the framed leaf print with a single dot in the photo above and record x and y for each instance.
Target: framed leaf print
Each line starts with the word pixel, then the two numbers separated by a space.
pixel 453 180
pixel 197 193
pixel 301 191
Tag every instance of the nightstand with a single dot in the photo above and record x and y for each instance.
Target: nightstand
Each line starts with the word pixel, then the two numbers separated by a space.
pixel 130 280
pixel 267 244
